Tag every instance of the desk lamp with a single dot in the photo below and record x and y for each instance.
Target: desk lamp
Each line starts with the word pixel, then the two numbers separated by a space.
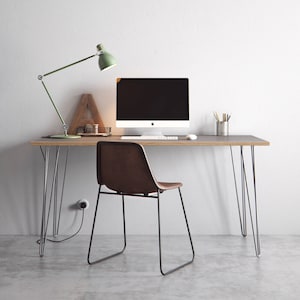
pixel 105 62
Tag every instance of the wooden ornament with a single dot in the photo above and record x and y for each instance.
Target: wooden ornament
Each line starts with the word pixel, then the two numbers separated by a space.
pixel 86 113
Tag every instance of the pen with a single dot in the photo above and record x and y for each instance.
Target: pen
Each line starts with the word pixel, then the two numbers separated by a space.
pixel 217 116
pixel 225 117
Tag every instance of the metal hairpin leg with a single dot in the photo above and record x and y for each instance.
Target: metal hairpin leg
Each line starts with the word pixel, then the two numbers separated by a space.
pixel 242 209
pixel 93 228
pixel 53 196
pixel 159 238
pixel 43 225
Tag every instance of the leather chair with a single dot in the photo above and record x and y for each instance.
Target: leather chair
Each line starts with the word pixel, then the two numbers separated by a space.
pixel 124 169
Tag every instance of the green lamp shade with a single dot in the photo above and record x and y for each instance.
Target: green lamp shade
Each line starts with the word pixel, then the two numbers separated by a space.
pixel 106 61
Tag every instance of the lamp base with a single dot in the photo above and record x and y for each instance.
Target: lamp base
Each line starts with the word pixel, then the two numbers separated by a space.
pixel 62 136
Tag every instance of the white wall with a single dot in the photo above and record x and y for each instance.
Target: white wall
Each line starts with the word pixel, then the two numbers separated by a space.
pixel 241 57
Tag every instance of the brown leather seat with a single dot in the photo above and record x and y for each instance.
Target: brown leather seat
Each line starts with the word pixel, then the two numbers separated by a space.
pixel 124 169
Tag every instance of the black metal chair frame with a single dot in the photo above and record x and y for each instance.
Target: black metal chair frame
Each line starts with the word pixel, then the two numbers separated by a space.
pixel 157 196
pixel 153 194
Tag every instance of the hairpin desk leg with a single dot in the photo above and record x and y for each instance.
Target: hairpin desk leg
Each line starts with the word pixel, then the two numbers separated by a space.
pixel 246 199
pixel 43 224
pixel 53 195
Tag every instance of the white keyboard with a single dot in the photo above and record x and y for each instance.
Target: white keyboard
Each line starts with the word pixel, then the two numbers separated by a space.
pixel 149 137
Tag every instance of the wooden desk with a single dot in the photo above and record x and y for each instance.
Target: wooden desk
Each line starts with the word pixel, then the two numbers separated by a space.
pixel 242 193
pixel 205 140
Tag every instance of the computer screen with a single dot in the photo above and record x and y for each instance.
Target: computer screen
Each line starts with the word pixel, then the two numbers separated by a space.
pixel 152 102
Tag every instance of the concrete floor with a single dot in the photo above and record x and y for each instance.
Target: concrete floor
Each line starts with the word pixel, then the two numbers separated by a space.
pixel 225 267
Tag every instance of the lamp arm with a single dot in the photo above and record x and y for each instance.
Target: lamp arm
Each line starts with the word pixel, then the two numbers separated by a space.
pixel 72 64
pixel 105 62
pixel 65 126
pixel 40 77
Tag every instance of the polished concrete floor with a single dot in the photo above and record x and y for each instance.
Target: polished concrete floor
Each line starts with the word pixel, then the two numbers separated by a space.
pixel 225 267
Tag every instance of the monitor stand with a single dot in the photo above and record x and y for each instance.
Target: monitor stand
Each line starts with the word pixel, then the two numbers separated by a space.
pixel 152 132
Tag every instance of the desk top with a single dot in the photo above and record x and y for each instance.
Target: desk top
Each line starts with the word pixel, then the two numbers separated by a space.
pixel 203 140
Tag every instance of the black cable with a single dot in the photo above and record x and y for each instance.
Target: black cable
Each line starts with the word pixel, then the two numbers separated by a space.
pixel 69 237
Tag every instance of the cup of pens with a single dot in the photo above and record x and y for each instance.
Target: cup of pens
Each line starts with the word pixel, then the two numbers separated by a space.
pixel 222 123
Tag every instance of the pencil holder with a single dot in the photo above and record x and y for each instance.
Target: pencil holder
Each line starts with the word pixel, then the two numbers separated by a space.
pixel 222 128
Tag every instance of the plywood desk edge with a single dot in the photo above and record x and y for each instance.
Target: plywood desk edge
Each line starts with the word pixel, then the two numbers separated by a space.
pixel 202 140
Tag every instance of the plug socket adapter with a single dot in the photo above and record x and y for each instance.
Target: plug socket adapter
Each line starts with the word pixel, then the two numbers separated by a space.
pixel 83 204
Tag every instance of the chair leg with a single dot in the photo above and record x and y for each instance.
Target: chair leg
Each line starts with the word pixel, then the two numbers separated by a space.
pixel 159 238
pixel 92 233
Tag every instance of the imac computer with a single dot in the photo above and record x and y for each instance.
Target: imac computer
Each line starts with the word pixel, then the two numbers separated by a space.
pixel 152 103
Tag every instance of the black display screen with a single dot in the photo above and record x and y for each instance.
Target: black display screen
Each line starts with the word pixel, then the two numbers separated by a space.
pixel 152 99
